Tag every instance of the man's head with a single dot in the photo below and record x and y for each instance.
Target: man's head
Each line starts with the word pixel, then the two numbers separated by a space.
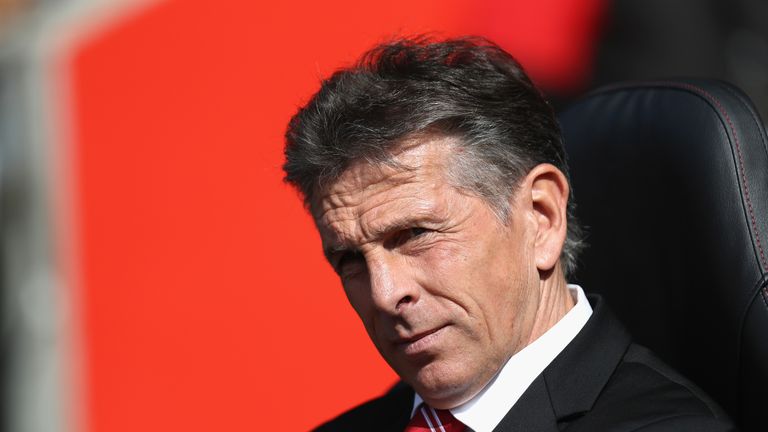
pixel 435 174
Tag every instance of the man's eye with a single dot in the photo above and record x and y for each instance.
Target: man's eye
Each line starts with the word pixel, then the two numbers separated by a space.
pixel 350 262
pixel 404 236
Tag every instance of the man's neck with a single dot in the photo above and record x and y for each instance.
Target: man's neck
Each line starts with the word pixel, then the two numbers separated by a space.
pixel 554 303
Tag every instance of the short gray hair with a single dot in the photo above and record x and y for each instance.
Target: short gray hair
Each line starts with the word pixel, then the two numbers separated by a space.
pixel 467 88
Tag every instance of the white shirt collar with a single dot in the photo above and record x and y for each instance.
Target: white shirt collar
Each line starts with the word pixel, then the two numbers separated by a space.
pixel 484 411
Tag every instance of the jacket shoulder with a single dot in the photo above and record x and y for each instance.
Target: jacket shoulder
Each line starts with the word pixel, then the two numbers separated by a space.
pixel 645 394
pixel 385 413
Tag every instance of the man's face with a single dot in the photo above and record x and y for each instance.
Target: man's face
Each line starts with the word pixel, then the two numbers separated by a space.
pixel 445 290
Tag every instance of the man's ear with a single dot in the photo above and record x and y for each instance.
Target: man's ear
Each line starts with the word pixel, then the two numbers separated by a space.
pixel 549 198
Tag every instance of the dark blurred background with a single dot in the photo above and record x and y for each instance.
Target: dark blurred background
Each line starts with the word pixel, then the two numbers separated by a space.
pixel 698 38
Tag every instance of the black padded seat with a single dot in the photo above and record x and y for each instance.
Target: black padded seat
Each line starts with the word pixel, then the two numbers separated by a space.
pixel 671 183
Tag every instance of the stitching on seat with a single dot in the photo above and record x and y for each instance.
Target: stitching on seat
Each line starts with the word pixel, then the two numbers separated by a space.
pixel 752 114
pixel 705 94
pixel 741 169
pixel 719 107
pixel 762 137
pixel 742 175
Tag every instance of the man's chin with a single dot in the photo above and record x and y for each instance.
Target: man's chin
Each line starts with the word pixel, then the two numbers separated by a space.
pixel 441 386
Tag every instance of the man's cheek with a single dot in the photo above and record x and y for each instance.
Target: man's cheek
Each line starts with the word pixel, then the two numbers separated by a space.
pixel 445 257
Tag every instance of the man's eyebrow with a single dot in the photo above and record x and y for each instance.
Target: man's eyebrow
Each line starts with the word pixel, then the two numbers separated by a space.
pixel 425 217
pixel 405 222
pixel 331 251
pixel 384 232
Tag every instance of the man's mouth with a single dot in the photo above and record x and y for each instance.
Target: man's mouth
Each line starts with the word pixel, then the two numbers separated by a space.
pixel 420 342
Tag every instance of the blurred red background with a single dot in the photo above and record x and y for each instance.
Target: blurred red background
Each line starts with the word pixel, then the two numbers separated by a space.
pixel 206 302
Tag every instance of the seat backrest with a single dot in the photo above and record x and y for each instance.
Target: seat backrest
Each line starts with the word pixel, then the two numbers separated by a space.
pixel 671 184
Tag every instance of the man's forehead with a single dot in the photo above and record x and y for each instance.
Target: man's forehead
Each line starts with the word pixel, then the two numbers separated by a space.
pixel 422 158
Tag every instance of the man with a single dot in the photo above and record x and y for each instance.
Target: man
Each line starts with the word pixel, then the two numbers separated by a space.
pixel 436 177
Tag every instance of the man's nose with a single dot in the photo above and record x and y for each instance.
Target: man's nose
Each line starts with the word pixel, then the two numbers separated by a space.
pixel 392 285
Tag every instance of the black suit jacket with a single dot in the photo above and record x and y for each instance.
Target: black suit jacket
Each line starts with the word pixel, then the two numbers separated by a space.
pixel 600 382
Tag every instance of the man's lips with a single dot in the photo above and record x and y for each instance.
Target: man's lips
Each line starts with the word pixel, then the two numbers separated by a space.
pixel 421 341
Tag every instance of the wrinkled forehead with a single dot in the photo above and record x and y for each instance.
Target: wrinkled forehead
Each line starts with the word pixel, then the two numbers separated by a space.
pixel 418 159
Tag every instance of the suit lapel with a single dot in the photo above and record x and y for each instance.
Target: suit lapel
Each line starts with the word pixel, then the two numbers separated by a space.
pixel 532 412
pixel 579 373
